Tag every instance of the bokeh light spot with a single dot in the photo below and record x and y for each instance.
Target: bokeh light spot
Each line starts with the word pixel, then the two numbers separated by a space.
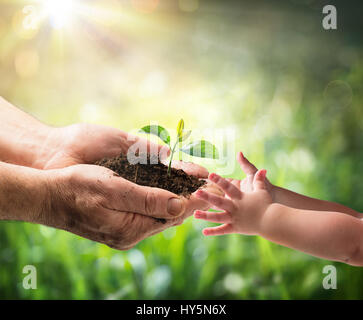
pixel 145 6
pixel 153 84
pixel 26 63
pixel 233 282
pixel 338 94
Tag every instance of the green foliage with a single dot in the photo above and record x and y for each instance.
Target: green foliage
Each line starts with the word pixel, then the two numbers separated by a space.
pixel 180 129
pixel 201 148
pixel 158 131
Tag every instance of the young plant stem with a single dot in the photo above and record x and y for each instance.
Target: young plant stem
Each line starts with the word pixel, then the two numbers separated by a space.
pixel 171 158
pixel 179 146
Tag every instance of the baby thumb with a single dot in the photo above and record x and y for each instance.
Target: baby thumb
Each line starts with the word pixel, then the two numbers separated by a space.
pixel 259 182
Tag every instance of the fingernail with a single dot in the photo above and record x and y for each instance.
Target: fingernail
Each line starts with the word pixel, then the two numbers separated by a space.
pixel 175 206
pixel 212 176
pixel 242 154
pixel 263 173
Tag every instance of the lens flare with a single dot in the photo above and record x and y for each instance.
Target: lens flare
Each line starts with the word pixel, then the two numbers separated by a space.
pixel 59 12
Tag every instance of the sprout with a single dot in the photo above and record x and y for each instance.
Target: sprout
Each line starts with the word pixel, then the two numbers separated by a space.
pixel 200 148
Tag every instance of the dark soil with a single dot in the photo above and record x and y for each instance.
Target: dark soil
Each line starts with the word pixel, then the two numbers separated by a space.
pixel 153 175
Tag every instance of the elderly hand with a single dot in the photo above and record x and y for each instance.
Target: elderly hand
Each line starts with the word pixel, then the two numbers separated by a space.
pixel 93 202
pixel 74 195
pixel 87 143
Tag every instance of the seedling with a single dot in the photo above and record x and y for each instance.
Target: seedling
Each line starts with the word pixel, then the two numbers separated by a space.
pixel 200 148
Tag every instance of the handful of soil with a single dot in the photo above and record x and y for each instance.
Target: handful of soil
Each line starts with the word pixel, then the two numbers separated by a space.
pixel 153 175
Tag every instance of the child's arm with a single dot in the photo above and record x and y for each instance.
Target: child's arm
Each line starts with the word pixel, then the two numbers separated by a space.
pixel 299 201
pixel 325 234
pixel 329 235
pixel 290 198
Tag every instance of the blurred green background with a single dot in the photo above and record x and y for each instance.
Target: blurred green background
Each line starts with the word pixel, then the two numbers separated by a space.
pixel 291 90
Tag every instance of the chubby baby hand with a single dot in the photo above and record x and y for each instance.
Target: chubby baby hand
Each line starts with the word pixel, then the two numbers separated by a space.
pixel 238 211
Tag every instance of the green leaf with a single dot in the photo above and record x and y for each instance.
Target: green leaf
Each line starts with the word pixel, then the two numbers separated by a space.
pixel 185 135
pixel 179 129
pixel 158 131
pixel 202 149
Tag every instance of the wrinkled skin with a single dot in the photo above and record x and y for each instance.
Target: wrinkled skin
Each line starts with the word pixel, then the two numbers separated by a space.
pixel 93 202
pixel 87 143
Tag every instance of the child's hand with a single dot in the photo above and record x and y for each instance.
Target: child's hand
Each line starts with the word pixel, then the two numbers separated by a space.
pixel 242 212
pixel 246 185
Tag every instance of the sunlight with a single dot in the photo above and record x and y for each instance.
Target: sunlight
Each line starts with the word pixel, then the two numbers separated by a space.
pixel 59 12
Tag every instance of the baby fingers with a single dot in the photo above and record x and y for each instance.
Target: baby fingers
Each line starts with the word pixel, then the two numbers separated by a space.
pixel 219 202
pixel 218 217
pixel 218 231
pixel 247 167
pixel 230 189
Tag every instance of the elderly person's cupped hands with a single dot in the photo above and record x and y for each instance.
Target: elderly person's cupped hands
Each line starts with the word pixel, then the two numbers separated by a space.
pixel 48 178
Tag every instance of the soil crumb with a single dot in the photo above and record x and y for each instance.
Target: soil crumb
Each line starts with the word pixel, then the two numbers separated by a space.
pixel 153 175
